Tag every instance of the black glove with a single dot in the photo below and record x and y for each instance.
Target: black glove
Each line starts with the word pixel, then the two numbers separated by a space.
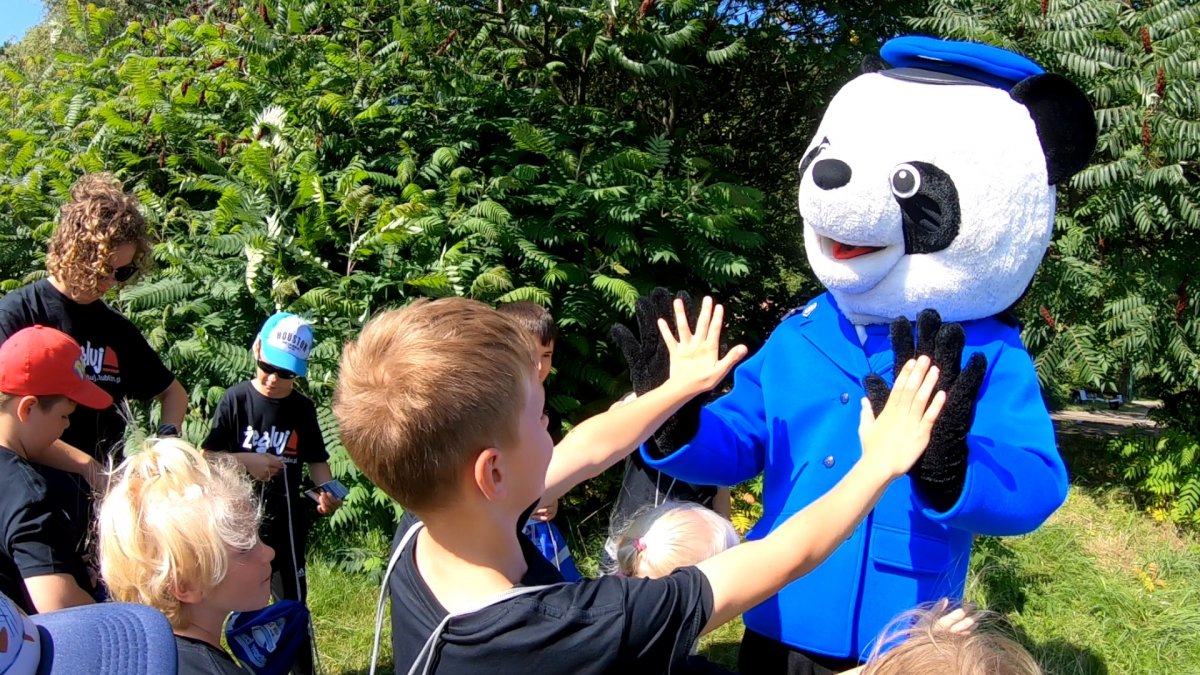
pixel 650 365
pixel 939 475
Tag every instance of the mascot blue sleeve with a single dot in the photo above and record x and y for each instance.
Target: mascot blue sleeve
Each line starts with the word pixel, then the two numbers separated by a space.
pixel 1015 476
pixel 729 444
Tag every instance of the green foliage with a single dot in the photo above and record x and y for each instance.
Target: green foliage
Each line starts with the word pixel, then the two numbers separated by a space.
pixel 1166 472
pixel 336 159
pixel 1111 306
pixel 1165 468
pixel 746 504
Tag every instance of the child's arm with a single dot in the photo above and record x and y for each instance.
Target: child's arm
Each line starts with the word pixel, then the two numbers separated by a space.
pixel 66 457
pixel 321 474
pixel 50 592
pixel 746 575
pixel 601 441
pixel 174 401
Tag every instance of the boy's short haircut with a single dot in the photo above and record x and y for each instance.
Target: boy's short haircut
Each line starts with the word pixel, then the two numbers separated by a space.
pixel 534 318
pixel 425 388
pixel 169 520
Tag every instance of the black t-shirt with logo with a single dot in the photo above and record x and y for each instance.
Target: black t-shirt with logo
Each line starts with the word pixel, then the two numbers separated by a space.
pixel 247 421
pixel 118 358
pixel 37 533
pixel 606 625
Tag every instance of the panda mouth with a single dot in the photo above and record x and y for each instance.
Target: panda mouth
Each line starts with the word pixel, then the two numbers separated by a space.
pixel 843 251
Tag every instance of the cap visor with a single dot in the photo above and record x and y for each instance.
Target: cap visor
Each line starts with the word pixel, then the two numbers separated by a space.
pixel 928 76
pixel 90 395
pixel 107 638
pixel 282 359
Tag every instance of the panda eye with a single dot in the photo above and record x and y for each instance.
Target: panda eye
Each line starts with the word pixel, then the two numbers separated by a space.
pixel 906 181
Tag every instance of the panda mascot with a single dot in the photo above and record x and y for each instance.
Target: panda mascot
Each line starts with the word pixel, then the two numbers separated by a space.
pixel 927 195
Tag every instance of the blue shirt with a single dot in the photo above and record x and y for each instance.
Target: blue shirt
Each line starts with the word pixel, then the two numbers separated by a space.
pixel 793 416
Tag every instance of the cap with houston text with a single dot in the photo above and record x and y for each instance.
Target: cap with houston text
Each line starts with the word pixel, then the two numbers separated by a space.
pixel 285 341
pixel 42 361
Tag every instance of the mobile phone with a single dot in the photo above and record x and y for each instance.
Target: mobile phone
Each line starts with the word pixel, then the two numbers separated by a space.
pixel 333 487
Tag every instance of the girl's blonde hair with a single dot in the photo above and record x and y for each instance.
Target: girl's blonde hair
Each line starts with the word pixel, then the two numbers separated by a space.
pixel 672 535
pixel 99 217
pixel 922 647
pixel 168 522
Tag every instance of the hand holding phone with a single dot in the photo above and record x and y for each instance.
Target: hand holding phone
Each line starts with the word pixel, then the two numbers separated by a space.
pixel 328 496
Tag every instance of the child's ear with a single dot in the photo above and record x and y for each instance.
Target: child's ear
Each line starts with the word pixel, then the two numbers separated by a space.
pixel 185 594
pixel 489 474
pixel 25 406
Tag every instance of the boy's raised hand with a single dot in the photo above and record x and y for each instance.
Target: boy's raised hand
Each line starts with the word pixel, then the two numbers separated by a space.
pixel 696 362
pixel 896 438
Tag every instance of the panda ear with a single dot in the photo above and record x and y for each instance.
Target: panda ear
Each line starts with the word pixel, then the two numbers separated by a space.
pixel 1066 124
pixel 873 64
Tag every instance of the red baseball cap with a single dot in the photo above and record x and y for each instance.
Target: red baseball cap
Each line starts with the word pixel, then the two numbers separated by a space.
pixel 42 361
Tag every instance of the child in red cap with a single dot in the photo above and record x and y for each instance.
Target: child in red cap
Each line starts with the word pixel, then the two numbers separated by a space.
pixel 42 378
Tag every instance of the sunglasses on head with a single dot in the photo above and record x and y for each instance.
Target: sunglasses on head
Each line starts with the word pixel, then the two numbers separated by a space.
pixel 124 272
pixel 276 371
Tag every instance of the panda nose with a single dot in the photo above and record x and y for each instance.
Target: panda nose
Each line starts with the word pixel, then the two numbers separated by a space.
pixel 830 174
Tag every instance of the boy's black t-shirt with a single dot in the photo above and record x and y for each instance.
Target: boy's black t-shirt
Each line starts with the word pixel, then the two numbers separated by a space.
pixel 37 532
pixel 247 421
pixel 606 625
pixel 118 358
pixel 196 657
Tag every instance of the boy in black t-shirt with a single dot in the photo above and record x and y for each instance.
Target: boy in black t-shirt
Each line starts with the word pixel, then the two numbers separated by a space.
pixel 42 378
pixel 273 432
pixel 539 324
pixel 440 405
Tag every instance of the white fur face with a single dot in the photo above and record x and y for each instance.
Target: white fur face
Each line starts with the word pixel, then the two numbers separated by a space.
pixel 985 142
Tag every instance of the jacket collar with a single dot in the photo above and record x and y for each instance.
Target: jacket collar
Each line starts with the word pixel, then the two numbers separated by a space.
pixel 831 332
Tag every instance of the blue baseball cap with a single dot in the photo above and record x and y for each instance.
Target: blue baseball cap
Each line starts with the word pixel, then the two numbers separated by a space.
pixel 111 637
pixel 285 341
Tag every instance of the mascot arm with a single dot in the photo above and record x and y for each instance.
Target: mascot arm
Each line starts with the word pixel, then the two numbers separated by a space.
pixel 728 445
pixel 1015 477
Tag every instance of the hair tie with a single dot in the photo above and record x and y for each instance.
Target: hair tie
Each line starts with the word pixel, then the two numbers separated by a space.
pixel 639 545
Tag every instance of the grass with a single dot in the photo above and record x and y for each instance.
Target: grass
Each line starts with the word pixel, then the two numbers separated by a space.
pixel 1100 589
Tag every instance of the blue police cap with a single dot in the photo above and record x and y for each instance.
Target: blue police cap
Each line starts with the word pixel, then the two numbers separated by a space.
pixel 926 59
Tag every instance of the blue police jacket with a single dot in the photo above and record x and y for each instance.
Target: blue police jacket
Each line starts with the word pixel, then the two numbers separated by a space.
pixel 793 416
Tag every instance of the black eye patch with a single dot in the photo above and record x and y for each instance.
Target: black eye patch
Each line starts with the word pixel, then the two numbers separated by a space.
pixel 811 155
pixel 929 206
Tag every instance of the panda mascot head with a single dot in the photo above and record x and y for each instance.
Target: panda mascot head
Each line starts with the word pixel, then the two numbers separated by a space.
pixel 930 182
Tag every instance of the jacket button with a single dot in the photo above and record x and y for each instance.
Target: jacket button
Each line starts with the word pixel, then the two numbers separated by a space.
pixel 829 462
pixel 845 398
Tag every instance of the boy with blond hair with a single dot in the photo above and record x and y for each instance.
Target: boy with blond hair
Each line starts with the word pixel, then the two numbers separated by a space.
pixel 440 405
pixel 42 378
